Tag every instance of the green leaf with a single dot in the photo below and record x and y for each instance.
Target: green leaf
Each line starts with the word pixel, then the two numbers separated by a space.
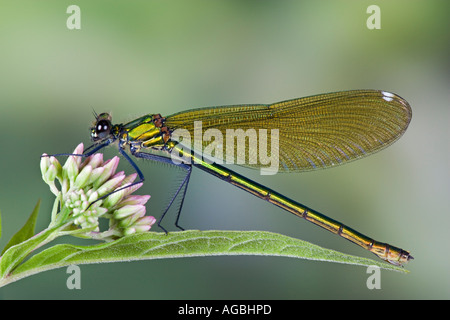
pixel 27 231
pixel 17 253
pixel 151 245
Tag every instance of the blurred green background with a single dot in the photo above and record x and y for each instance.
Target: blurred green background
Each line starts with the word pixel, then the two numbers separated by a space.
pixel 136 57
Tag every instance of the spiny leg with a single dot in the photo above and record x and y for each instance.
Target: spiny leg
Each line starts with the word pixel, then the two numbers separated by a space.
pixel 183 185
pixel 152 157
pixel 85 154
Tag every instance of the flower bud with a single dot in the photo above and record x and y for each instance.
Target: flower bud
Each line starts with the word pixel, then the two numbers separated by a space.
pixel 82 186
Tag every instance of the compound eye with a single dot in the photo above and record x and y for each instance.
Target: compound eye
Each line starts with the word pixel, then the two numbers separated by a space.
pixel 101 130
pixel 102 126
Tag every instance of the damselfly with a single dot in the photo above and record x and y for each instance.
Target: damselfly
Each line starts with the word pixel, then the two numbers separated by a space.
pixel 314 132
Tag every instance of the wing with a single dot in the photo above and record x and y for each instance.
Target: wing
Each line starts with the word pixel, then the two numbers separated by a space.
pixel 313 132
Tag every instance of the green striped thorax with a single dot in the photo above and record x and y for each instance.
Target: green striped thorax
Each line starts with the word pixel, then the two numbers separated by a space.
pixel 148 131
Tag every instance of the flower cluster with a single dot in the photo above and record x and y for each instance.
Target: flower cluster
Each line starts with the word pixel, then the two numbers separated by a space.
pixel 88 192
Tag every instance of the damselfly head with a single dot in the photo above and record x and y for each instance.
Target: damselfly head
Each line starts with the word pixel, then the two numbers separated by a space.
pixel 101 129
